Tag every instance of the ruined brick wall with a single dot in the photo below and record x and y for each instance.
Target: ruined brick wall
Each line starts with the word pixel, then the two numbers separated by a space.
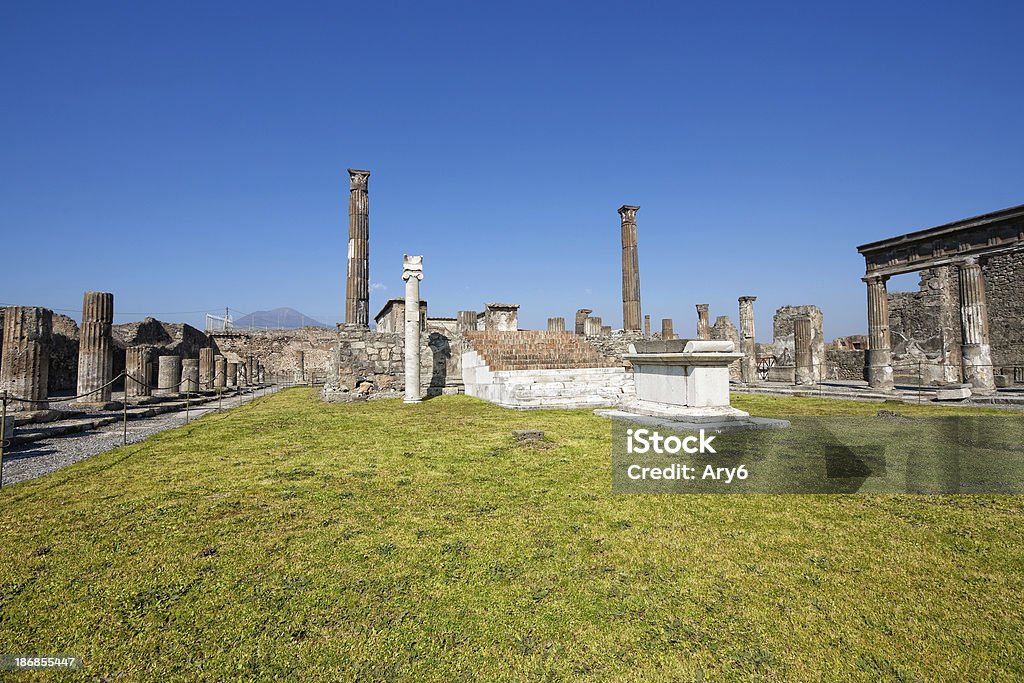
pixel 63 375
pixel 1004 284
pixel 278 350
pixel 617 344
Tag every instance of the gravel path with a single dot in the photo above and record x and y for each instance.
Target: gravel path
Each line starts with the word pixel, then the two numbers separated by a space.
pixel 31 460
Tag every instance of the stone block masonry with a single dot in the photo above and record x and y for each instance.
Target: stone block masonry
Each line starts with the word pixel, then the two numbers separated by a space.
pixel 24 368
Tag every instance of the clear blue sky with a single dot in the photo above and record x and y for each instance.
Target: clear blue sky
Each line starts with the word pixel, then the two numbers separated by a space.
pixel 191 155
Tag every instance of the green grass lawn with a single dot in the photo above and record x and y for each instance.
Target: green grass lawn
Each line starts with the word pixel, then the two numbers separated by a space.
pixel 289 539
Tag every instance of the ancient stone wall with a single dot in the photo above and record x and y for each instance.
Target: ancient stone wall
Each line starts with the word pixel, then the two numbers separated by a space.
pixel 1004 283
pixel 278 350
pixel 63 355
pixel 782 347
pixel 725 330
pixel 925 329
pixel 616 344
pixel 845 364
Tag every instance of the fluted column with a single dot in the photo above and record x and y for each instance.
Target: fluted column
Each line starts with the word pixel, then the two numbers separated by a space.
pixel 630 270
pixel 137 365
pixel 748 340
pixel 25 367
pixel 666 329
pixel 556 324
pixel 206 369
pixel 357 287
pixel 220 372
pixel 189 375
pixel 802 354
pixel 976 351
pixel 879 356
pixel 96 348
pixel 232 375
pixel 703 325
pixel 168 381
pixel 466 321
pixel 412 273
pixel 581 320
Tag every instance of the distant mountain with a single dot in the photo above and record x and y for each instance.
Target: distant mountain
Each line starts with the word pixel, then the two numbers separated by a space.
pixel 279 318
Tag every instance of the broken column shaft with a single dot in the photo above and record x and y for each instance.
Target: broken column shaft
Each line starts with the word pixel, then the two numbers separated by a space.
pixel 748 342
pixel 168 376
pixel 96 348
pixel 137 367
pixel 206 369
pixel 802 354
pixel 24 369
pixel 703 324
pixel 189 375
pixel 220 372
pixel 412 273
pixel 556 324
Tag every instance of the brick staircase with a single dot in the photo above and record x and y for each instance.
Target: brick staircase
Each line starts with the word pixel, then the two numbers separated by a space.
pixel 536 350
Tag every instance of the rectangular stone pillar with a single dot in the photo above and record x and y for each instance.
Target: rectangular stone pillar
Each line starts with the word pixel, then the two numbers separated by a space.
pixel 206 369
pixel 666 329
pixel 96 348
pixel 581 320
pixel 748 342
pixel 647 326
pixel 220 372
pixel 630 270
pixel 703 323
pixel 189 375
pixel 412 273
pixel 803 354
pixel 168 376
pixel 556 324
pixel 879 355
pixel 976 351
pixel 25 366
pixel 137 366
pixel 357 286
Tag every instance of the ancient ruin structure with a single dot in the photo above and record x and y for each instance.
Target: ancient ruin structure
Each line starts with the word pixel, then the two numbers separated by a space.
pixel 682 378
pixel 499 317
pixel 391 317
pixel 25 363
pixel 725 330
pixel 138 368
pixel 206 369
pixel 466 321
pixel 412 273
pixel 647 326
pixel 630 270
pixel 168 376
pixel 804 359
pixel 666 329
pixel 703 324
pixel 556 324
pixel 581 319
pixel 782 350
pixel 96 348
pixel 189 375
pixel 357 288
pixel 300 366
pixel 748 364
pixel 964 324
pixel 592 327
pixel 220 372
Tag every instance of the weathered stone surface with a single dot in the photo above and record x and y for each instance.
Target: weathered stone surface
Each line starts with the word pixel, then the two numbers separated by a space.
pixel 630 270
pixel 703 323
pixel 804 357
pixel 96 348
pixel 647 326
pixel 168 376
pixel 466 321
pixel 25 365
pixel 556 324
pixel 500 317
pixel 879 356
pixel 783 346
pixel 748 341
pixel 724 329
pixel 206 369
pixel 220 372
pixel 412 273
pixel 391 317
pixel 975 351
pixel 592 327
pixel 666 329
pixel 955 392
pixel 189 375
pixel 138 369
pixel 581 319
pixel 357 289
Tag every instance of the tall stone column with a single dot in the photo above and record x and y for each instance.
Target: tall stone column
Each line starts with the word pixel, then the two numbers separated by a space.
pixel 647 326
pixel 412 273
pixel 630 270
pixel 261 372
pixel 300 366
pixel 879 356
pixel 556 324
pixel 254 375
pixel 220 372
pixel 748 343
pixel 243 373
pixel 357 287
pixel 25 367
pixel 189 375
pixel 803 355
pixel 96 348
pixel 232 375
pixel 703 324
pixel 581 320
pixel 206 369
pixel 137 364
pixel 666 329
pixel 976 351
pixel 168 381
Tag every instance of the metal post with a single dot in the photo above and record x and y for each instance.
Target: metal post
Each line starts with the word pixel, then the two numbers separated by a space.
pixel 3 435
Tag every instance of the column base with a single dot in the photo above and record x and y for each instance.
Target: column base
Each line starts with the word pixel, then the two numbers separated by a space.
pixel 879 369
pixel 412 400
pixel 977 368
